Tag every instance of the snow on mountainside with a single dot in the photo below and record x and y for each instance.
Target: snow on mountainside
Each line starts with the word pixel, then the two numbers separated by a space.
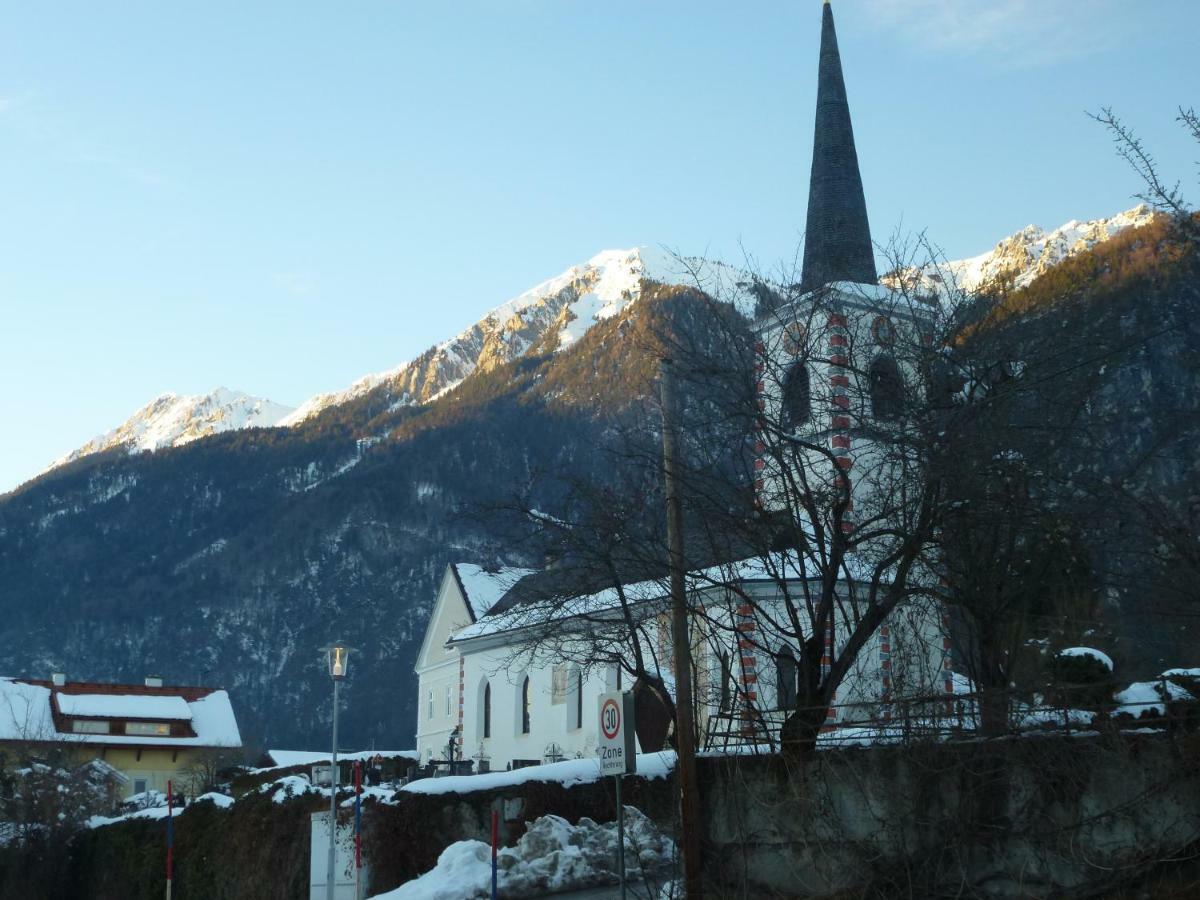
pixel 555 314
pixel 558 312
pixel 171 420
pixel 1032 251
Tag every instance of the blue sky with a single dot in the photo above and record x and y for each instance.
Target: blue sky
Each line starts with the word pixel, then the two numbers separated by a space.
pixel 281 197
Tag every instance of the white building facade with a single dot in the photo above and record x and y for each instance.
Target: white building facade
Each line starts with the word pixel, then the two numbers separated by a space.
pixel 835 376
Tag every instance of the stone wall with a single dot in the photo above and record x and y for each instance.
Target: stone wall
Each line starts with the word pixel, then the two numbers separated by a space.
pixel 1025 818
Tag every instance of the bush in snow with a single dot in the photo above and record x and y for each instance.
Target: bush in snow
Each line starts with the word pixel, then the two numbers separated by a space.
pixel 40 796
pixel 1080 678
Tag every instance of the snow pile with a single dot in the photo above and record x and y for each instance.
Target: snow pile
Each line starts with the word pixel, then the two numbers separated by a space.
pixel 222 801
pixel 1150 697
pixel 567 773
pixel 171 420
pixel 284 789
pixel 552 855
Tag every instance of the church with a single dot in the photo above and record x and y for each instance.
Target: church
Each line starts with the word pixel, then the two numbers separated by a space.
pixel 514 660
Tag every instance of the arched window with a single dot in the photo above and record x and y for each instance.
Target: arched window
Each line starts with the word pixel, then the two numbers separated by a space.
pixel 487 710
pixel 525 705
pixel 797 397
pixel 576 686
pixel 785 678
pixel 726 680
pixel 887 389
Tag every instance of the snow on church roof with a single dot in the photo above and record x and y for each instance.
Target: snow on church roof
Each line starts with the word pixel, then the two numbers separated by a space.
pixel 553 594
pixel 483 587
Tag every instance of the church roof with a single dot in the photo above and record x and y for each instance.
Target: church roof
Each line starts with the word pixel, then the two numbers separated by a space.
pixel 837 237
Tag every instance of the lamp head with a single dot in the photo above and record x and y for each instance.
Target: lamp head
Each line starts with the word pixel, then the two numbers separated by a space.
pixel 337 656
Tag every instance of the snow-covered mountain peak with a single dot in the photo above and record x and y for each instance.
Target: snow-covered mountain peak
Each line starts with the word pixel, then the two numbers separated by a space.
pixel 554 314
pixel 170 420
pixel 1030 252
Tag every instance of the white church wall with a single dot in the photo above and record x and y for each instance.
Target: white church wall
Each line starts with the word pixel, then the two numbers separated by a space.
pixel 562 712
pixel 437 671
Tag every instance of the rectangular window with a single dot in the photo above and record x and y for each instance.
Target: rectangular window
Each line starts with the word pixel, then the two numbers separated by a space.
pixel 148 729
pixel 578 723
pixel 429 714
pixel 139 785
pixel 89 726
pixel 448 707
pixel 558 685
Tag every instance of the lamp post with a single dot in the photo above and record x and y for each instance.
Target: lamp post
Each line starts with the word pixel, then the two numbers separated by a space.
pixel 338 657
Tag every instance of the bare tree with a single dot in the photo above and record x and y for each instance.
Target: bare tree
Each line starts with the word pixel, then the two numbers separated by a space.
pixel 1158 191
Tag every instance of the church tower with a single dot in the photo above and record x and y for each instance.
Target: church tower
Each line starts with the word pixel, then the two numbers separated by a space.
pixel 838 379
pixel 837 237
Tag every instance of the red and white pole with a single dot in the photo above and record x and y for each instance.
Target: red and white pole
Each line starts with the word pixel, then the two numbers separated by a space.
pixel 357 830
pixel 495 843
pixel 170 837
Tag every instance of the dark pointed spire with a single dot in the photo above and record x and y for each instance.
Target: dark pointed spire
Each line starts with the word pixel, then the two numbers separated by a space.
pixel 837 238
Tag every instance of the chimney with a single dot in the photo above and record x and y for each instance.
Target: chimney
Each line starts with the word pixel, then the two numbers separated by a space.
pixel 58 679
pixel 154 681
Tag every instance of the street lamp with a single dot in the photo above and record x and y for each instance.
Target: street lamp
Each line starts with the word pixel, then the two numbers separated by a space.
pixel 337 656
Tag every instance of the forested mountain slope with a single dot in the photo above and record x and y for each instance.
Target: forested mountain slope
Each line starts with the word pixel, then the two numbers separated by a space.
pixel 232 559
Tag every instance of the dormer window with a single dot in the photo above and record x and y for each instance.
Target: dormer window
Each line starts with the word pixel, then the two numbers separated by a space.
pixel 148 729
pixel 91 726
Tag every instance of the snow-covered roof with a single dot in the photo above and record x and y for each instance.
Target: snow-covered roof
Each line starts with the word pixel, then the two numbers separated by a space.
pixel 124 706
pixel 29 711
pixel 527 604
pixel 484 587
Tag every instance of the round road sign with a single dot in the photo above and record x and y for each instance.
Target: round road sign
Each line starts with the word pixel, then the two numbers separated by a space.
pixel 610 719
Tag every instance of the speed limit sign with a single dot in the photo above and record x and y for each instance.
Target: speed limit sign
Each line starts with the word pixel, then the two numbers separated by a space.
pixel 615 745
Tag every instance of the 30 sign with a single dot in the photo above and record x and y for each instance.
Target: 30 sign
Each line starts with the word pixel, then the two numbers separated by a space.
pixel 615 747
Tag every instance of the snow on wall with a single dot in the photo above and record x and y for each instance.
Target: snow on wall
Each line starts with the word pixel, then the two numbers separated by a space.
pixel 287 758
pixel 567 773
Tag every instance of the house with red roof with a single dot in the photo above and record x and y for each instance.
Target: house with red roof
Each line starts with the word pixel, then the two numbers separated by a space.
pixel 150 732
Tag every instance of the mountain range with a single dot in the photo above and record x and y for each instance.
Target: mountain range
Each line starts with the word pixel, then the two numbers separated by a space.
pixel 556 314
pixel 230 560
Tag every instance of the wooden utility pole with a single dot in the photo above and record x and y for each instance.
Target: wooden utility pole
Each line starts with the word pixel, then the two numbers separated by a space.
pixel 685 733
